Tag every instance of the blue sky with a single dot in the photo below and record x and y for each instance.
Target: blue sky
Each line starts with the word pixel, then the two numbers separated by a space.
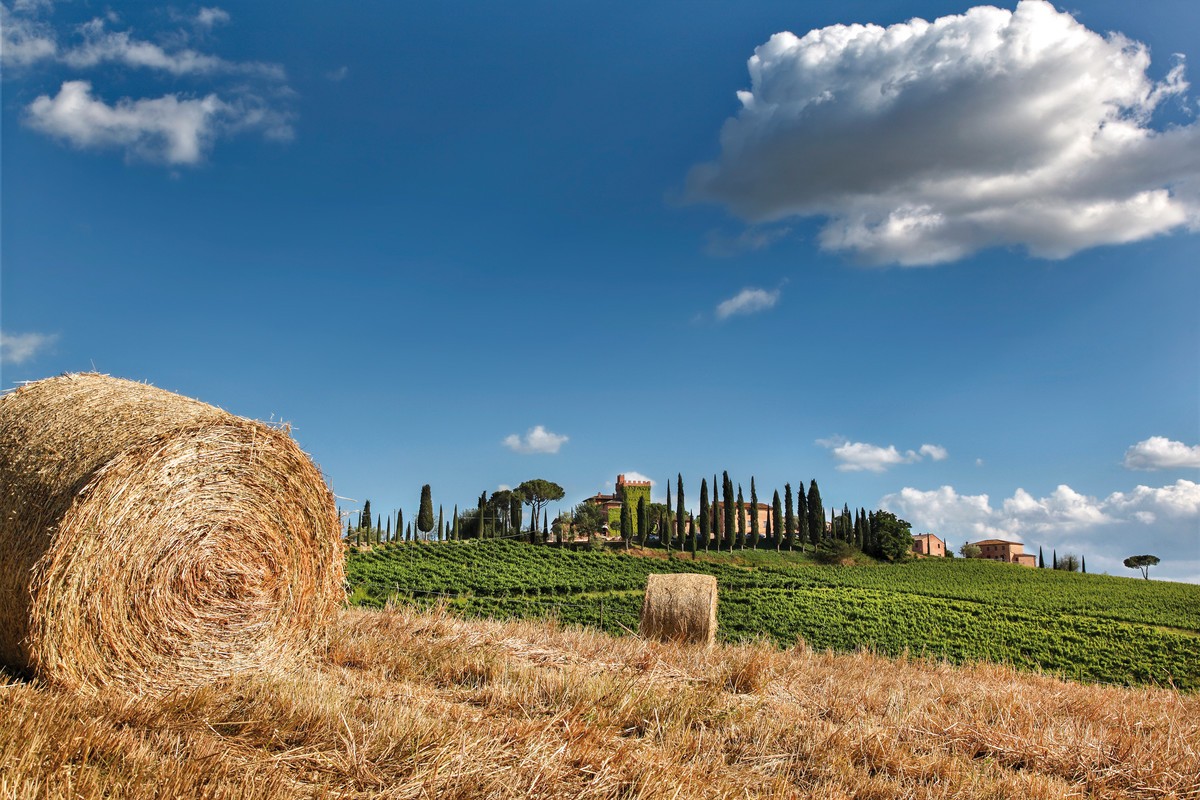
pixel 946 267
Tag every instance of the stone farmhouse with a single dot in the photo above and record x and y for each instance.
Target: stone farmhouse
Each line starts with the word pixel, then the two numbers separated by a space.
pixel 927 544
pixel 1006 551
pixel 764 513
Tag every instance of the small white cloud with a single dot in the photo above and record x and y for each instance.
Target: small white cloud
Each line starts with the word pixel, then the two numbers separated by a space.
pixel 934 451
pixel 504 487
pixel 862 456
pixel 747 301
pixel 925 142
pixel 17 348
pixel 634 475
pixel 24 41
pixel 209 18
pixel 979 462
pixel 1159 452
pixel 339 74
pixel 536 440
pixel 165 129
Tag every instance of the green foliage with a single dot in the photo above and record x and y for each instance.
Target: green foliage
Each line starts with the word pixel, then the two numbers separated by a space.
pixel 1068 562
pixel 1144 563
pixel 588 518
pixel 425 514
pixel 789 519
pixel 833 551
pixel 754 532
pixel 1091 627
pixel 894 536
pixel 816 513
pixel 969 550
pixel 536 493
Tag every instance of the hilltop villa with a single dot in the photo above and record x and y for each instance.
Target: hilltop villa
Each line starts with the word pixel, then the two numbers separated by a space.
pixel 1006 551
pixel 928 544
pixel 611 503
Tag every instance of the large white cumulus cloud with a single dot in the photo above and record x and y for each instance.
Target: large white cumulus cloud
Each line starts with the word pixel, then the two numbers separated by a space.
pixel 924 142
pixel 1162 520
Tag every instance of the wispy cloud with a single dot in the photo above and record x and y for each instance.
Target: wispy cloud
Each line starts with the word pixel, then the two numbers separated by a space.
pixel 925 142
pixel 209 18
pixel 101 46
pixel 862 456
pixel 747 301
pixel 1159 452
pixel 18 348
pixel 169 129
pixel 24 40
pixel 536 440
pixel 177 128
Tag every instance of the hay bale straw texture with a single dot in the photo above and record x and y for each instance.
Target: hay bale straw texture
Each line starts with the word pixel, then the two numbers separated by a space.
pixel 150 542
pixel 680 607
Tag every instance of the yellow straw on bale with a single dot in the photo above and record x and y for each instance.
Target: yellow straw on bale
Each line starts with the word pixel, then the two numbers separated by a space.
pixel 680 607
pixel 151 542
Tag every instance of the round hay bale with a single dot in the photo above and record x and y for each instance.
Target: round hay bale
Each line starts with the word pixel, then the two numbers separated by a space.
pixel 151 542
pixel 680 607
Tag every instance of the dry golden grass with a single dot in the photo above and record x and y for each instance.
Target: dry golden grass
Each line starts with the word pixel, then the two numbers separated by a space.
pixel 425 705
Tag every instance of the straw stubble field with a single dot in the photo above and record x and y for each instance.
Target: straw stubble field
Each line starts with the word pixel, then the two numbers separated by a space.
pixel 411 704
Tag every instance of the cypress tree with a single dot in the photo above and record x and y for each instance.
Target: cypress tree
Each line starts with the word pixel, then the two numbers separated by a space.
pixel 388 536
pixel 626 521
pixel 1041 558
pixel 789 519
pixel 716 514
pixel 408 537
pixel 425 513
pixel 546 526
pixel 816 514
pixel 1054 554
pixel 643 520
pixel 741 520
pixel 454 531
pixel 1083 564
pixel 365 520
pixel 728 510
pixel 482 514
pixel 680 511
pixel 441 529
pixel 777 515
pixel 767 532
pixel 753 515
pixel 692 536
pixel 666 533
pixel 846 521
pixel 705 511
pixel 801 517
pixel 514 510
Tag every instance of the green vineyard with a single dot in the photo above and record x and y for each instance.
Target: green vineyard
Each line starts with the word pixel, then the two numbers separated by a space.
pixel 1087 627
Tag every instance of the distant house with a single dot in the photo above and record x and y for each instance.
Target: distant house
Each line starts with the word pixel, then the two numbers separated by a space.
pixel 764 512
pixel 928 544
pixel 611 503
pixel 1006 551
